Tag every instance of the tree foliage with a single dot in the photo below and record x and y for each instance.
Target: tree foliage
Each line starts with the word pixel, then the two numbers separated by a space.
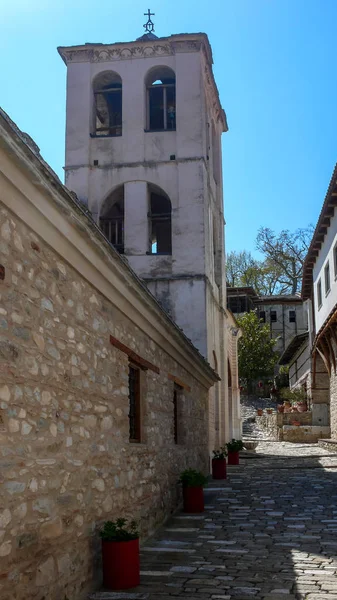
pixel 245 271
pixel 286 251
pixel 257 357
pixel 280 271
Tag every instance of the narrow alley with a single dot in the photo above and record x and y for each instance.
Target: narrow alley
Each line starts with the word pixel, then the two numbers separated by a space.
pixel 268 532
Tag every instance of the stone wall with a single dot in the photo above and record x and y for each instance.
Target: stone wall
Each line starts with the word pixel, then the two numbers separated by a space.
pixel 280 427
pixel 333 401
pixel 269 425
pixel 305 418
pixel 306 434
pixel 66 461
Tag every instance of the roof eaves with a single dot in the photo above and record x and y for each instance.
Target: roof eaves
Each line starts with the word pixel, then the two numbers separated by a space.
pixel 292 348
pixel 320 230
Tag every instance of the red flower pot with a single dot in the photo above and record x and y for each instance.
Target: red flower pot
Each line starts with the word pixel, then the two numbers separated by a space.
pixel 219 468
pixel 121 566
pixel 193 499
pixel 233 458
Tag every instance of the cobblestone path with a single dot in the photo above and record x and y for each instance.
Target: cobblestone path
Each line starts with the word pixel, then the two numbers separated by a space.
pixel 268 532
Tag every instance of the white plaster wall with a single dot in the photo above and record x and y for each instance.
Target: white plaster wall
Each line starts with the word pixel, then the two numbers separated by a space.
pixel 283 327
pixel 186 301
pixel 300 368
pixel 136 206
pixel 78 107
pixel 325 254
pixel 135 144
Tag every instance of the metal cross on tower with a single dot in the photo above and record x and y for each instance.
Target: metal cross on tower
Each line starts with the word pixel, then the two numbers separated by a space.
pixel 149 26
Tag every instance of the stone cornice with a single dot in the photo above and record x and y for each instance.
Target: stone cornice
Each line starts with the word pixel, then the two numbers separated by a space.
pixel 36 195
pixel 175 44
pixel 138 49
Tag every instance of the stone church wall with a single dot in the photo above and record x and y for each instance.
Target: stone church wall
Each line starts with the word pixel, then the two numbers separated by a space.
pixel 66 461
pixel 333 399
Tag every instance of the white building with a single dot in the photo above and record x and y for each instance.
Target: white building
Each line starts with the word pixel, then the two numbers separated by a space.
pixel 320 291
pixel 284 314
pixel 143 152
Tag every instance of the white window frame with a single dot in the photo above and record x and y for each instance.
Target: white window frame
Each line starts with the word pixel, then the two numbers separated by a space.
pixel 335 259
pixel 327 279
pixel 319 293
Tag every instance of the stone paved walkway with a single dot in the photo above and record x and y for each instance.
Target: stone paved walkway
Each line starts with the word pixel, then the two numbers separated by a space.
pixel 250 425
pixel 269 532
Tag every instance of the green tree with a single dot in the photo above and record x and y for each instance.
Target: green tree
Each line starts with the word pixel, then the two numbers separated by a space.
pixel 286 252
pixel 257 357
pixel 242 270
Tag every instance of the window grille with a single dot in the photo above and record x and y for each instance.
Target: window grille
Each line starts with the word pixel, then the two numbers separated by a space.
pixel 134 404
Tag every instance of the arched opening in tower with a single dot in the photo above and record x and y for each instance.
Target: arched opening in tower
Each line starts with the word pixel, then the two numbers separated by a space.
pixel 112 219
pixel 161 99
pixel 107 89
pixel 160 222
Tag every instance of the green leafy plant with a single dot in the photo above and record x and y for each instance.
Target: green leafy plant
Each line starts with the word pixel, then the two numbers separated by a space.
pixel 192 478
pixel 293 396
pixel 256 350
pixel 220 454
pixel 234 445
pixel 119 531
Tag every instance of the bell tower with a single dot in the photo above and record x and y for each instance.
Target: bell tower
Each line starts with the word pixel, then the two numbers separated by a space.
pixel 143 152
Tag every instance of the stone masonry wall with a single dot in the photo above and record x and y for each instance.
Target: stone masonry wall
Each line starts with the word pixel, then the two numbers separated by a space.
pixel 66 461
pixel 333 402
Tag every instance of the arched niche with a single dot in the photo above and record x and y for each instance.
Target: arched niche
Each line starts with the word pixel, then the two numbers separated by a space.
pixel 108 113
pixel 112 218
pixel 160 221
pixel 160 83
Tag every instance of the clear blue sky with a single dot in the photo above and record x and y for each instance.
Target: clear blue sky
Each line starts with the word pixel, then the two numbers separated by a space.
pixel 274 63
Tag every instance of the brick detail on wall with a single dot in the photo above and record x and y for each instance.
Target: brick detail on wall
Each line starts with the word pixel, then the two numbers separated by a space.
pixel 145 364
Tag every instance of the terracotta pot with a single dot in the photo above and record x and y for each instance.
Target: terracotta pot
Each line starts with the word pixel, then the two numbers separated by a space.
pixel 121 565
pixel 233 458
pixel 287 407
pixel 302 406
pixel 193 499
pixel 280 408
pixel 297 423
pixel 259 412
pixel 219 468
pixel 294 409
pixel 269 411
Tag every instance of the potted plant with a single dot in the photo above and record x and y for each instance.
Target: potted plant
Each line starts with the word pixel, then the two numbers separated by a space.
pixel 219 464
pixel 269 411
pixel 120 554
pixel 234 448
pixel 259 412
pixel 280 408
pixel 302 406
pixel 295 399
pixel 193 490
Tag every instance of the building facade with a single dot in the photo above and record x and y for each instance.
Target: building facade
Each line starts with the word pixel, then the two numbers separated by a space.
pixel 284 314
pixel 319 290
pixel 103 399
pixel 143 153
pixel 118 356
